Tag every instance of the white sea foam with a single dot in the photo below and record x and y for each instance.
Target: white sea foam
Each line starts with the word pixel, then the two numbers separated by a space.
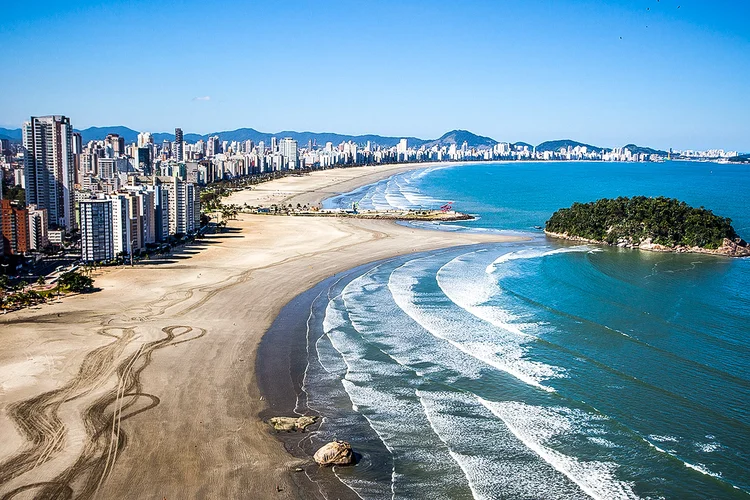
pixel 708 447
pixel 499 347
pixel 537 427
pixel 663 439
pixel 534 253
pixel 382 392
pixel 606 443
pixel 495 462
pixel 702 469
pixel 373 313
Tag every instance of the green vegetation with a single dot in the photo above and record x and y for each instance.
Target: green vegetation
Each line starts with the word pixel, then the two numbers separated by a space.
pixel 740 159
pixel 13 193
pixel 75 282
pixel 666 221
pixel 640 150
pixel 564 143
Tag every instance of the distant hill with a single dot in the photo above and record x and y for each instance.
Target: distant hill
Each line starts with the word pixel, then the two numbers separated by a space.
pixel 11 134
pixel 302 138
pixel 100 133
pixel 458 137
pixel 740 158
pixel 564 143
pixel 643 150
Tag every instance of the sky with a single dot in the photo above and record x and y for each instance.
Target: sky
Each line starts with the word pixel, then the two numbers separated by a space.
pixel 659 73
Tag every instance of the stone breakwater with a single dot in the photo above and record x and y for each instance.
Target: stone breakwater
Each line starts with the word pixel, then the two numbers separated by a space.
pixel 729 248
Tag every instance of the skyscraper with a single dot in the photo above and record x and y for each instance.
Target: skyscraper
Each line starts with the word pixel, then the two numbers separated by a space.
pixel 288 149
pixel 97 238
pixel 178 152
pixel 49 168
pixel 14 228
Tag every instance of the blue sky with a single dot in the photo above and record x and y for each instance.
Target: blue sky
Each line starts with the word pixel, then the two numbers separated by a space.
pixel 606 73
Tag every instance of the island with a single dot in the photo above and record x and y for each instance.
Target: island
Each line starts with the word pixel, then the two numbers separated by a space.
pixel 658 224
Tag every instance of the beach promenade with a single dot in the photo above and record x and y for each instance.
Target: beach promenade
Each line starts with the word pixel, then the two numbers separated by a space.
pixel 146 388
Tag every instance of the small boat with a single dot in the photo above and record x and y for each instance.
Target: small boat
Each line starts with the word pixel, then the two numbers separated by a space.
pixel 537 227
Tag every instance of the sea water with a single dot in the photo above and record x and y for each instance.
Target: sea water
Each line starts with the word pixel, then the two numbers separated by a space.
pixel 541 369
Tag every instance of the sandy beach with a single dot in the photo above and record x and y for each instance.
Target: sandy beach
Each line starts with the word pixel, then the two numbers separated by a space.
pixel 146 388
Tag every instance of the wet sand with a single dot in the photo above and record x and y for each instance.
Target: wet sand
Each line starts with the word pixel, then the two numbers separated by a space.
pixel 148 388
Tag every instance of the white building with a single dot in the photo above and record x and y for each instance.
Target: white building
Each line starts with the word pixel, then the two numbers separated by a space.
pixel 97 235
pixel 288 149
pixel 49 168
pixel 38 228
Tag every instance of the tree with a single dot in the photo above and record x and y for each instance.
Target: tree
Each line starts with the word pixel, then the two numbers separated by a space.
pixel 75 282
pixel 41 281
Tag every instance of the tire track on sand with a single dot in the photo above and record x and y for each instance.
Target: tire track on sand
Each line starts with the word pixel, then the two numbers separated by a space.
pixel 38 419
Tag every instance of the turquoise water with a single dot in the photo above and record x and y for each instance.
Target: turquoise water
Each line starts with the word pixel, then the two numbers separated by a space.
pixel 541 369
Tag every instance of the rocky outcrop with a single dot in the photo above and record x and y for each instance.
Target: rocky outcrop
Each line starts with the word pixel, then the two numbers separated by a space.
pixel 729 248
pixel 335 453
pixel 292 423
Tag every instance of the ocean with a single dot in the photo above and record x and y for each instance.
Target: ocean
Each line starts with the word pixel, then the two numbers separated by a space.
pixel 540 369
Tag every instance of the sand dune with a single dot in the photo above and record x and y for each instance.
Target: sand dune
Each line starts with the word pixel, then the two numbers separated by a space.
pixel 146 389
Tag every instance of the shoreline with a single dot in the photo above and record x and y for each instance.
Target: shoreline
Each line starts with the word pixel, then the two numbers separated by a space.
pixel 152 379
pixel 728 249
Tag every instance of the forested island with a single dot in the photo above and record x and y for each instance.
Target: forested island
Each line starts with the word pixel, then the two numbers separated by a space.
pixel 660 224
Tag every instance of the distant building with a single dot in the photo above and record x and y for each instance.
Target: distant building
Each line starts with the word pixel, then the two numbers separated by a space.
pixel 179 154
pixel 288 150
pixel 144 160
pixel 145 139
pixel 49 168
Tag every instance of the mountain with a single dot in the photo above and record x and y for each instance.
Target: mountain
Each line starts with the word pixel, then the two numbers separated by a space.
pixel 740 158
pixel 11 134
pixel 642 150
pixel 458 137
pixel 100 133
pixel 564 143
pixel 320 138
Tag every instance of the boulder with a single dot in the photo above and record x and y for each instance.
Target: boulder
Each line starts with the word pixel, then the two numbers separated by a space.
pixel 291 423
pixel 335 453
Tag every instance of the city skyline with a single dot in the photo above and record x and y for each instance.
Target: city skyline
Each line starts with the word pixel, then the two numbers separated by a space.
pixel 665 73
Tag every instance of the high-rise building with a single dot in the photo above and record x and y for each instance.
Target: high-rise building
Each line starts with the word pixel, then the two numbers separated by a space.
pixel 161 211
pixel 77 143
pixel 144 160
pixel 288 149
pixel 38 228
pixel 184 206
pixel 14 228
pixel 49 168
pixel 178 146
pixel 121 227
pixel 145 139
pixel 213 147
pixel 97 236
